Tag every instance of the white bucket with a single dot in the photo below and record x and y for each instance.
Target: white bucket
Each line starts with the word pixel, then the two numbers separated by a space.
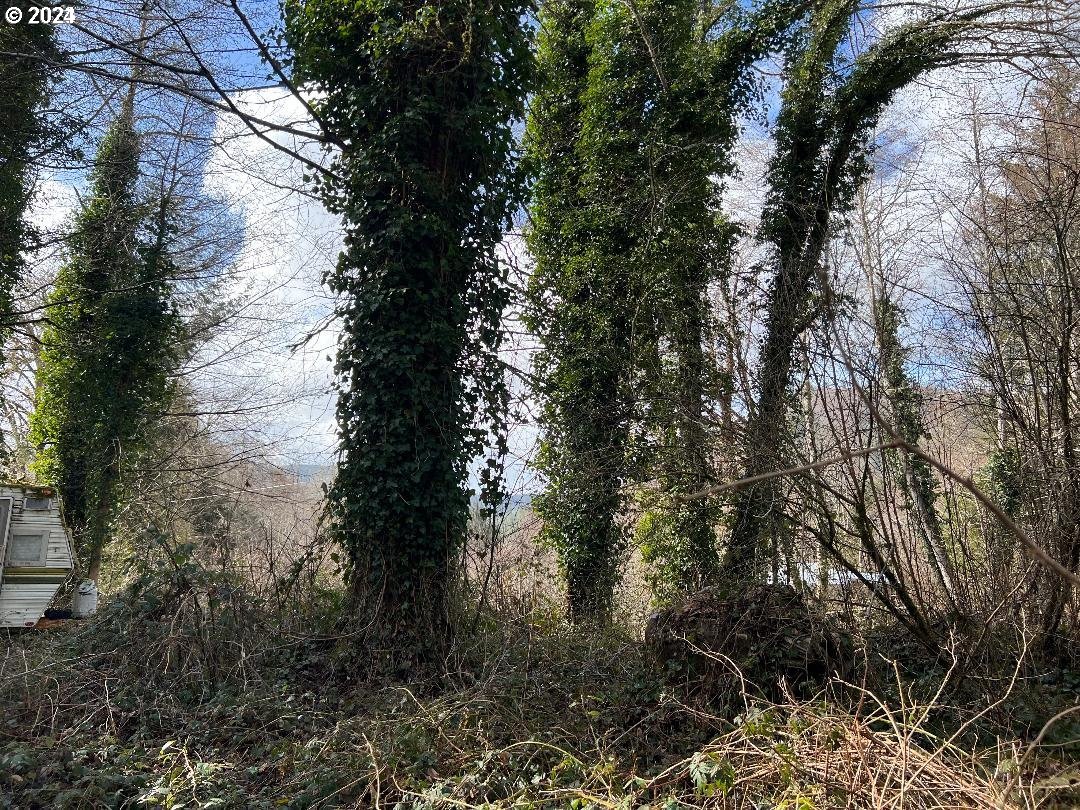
pixel 84 603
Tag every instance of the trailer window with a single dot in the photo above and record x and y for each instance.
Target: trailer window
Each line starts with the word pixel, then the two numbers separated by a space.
pixel 36 504
pixel 26 550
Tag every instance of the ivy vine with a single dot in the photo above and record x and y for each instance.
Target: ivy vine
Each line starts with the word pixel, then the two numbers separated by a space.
pixel 112 339
pixel 421 96
pixel 25 76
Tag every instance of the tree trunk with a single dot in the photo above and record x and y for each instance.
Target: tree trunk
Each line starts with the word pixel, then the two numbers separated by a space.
pixel 758 505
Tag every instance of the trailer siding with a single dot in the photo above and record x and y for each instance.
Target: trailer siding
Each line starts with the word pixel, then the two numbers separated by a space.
pixel 26 592
pixel 23 605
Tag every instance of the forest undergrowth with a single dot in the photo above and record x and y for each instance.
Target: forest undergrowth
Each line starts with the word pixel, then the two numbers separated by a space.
pixel 185 693
pixel 663 302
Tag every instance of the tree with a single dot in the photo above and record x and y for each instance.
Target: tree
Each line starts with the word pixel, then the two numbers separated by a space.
pixel 828 106
pixel 1016 268
pixel 700 57
pixel 629 136
pixel 684 247
pixel 103 372
pixel 581 320
pixel 25 53
pixel 623 220
pixel 422 96
pixel 905 399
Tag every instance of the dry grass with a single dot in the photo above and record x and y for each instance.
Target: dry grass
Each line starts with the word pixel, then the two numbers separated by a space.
pixel 213 709
pixel 779 755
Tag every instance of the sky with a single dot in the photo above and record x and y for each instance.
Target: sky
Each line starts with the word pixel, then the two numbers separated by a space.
pixel 287 337
pixel 266 379
pixel 275 360
pixel 290 243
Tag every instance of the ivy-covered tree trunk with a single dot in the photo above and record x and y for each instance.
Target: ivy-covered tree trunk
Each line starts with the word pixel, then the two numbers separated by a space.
pixel 579 311
pixel 916 476
pixel 24 79
pixel 701 55
pixel 827 109
pixel 420 97
pixel 103 372
pixel 686 137
pixel 615 268
pixel 629 134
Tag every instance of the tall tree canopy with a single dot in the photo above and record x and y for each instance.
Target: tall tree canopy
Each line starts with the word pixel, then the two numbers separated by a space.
pixel 422 96
pixel 27 53
pixel 103 372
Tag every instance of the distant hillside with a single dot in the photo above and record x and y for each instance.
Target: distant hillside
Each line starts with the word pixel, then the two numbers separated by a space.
pixel 517 501
pixel 308 473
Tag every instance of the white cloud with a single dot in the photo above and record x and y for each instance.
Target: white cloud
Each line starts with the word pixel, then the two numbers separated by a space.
pixel 274 356
pixel 263 380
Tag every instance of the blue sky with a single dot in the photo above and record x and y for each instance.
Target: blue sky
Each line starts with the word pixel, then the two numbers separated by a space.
pixel 290 241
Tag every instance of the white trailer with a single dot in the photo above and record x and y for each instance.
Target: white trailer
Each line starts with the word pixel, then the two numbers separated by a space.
pixel 35 552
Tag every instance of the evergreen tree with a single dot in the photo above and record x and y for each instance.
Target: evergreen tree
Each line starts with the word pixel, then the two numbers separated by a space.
pixel 421 96
pixel 103 372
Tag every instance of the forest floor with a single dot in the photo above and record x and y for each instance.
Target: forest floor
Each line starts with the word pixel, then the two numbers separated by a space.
pixel 185 704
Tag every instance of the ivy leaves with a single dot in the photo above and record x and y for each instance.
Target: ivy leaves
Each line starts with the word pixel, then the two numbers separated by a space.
pixel 630 135
pixel 422 96
pixel 24 79
pixel 112 339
